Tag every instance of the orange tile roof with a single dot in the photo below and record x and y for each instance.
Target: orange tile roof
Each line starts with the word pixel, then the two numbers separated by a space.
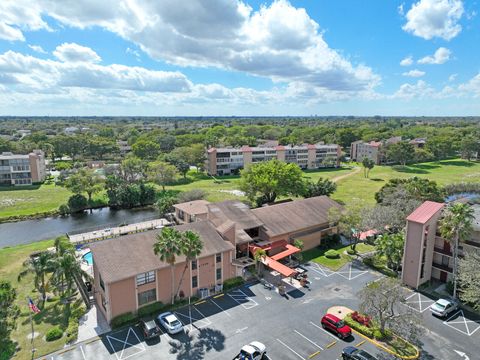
pixel 275 265
pixel 425 212
pixel 290 250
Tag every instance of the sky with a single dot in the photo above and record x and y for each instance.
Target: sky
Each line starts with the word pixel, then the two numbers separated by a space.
pixel 239 57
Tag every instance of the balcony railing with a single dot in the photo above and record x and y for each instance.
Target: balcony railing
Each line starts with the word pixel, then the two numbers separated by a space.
pixel 443 251
pixel 473 243
pixel 442 267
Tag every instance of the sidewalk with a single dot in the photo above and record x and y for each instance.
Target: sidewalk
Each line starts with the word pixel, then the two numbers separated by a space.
pixel 92 324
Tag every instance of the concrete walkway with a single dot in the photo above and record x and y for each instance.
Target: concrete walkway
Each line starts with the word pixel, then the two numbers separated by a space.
pixel 92 324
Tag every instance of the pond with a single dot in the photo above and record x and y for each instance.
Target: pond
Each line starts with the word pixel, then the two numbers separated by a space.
pixel 27 231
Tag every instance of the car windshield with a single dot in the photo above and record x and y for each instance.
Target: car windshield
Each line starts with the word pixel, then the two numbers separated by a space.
pixel 364 355
pixel 340 324
pixel 440 306
pixel 175 323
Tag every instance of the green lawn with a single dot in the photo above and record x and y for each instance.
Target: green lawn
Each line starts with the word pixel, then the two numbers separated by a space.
pixel 443 172
pixel 11 260
pixel 318 255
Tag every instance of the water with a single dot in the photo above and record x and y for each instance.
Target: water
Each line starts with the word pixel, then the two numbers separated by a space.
pixel 88 257
pixel 469 196
pixel 28 231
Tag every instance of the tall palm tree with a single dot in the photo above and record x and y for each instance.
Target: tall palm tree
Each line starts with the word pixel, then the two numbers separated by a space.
pixel 167 248
pixel 66 268
pixel 258 256
pixel 456 226
pixel 40 266
pixel 191 246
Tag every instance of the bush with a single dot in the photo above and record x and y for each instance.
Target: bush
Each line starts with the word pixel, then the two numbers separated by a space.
pixel 150 309
pixel 54 334
pixel 332 254
pixel 449 287
pixel 77 203
pixel 232 283
pixel 64 209
pixel 72 331
pixel 123 319
pixel 196 194
pixel 367 331
pixel 350 251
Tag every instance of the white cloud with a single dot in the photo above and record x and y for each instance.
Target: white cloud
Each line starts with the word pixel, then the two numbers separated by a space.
pixel 441 56
pixel 434 18
pixel 71 52
pixel 410 91
pixel 406 61
pixel 400 9
pixel 279 41
pixel 37 48
pixel 10 33
pixel 133 52
pixel 452 77
pixel 472 87
pixel 414 73
pixel 20 15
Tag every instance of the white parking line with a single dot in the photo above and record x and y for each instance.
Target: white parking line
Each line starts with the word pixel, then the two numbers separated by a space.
pixel 225 311
pixel 125 343
pixel 310 341
pixel 289 348
pixel 418 302
pixel 247 306
pixel 319 270
pixel 464 322
pixel 325 331
pixel 349 272
pixel 83 354
pixel 201 320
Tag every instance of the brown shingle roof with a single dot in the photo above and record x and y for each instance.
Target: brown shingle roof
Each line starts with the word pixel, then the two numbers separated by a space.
pixel 235 211
pixel 425 212
pixel 296 215
pixel 194 207
pixel 129 255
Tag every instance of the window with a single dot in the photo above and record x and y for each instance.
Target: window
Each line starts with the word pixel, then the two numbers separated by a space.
pixel 194 264
pixel 218 258
pixel 219 274
pixel 102 285
pixel 145 278
pixel 194 281
pixel 147 297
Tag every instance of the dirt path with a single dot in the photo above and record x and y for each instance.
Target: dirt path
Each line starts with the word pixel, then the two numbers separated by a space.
pixel 355 171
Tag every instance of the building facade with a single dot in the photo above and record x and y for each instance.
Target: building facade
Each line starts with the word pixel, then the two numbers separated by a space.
pixel 428 256
pixel 226 161
pixel 373 150
pixel 20 170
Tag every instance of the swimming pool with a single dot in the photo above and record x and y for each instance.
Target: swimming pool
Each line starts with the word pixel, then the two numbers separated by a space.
pixel 88 258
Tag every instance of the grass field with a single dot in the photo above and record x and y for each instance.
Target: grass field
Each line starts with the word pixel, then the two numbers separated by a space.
pixel 11 260
pixel 318 255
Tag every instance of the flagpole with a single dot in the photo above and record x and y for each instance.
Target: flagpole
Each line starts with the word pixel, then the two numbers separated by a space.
pixel 33 331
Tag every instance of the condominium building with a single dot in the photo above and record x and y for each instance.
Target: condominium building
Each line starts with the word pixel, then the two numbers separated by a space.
pixel 226 161
pixel 428 256
pixel 22 169
pixel 372 150
pixel 128 275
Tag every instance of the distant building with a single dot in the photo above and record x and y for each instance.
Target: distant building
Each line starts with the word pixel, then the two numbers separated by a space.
pixel 22 169
pixel 371 150
pixel 71 130
pixel 24 133
pixel 124 147
pixel 418 142
pixel 226 161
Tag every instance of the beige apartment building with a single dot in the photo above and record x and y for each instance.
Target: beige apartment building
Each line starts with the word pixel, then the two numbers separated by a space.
pixel 128 275
pixel 427 256
pixel 20 170
pixel 371 150
pixel 226 161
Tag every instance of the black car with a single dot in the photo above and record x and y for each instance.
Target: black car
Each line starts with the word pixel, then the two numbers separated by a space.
pixel 150 329
pixel 352 353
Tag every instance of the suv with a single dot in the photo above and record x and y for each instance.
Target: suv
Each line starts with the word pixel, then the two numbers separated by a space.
pixel 337 326
pixel 150 329
pixel 352 353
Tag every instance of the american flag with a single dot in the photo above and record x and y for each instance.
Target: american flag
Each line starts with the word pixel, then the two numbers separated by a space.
pixel 32 306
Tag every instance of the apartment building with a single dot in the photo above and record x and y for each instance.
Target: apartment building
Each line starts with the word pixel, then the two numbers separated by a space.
pixel 226 161
pixel 371 150
pixel 19 170
pixel 128 275
pixel 428 256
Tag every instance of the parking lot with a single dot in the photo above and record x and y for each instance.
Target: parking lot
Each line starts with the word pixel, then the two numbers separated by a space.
pixel 216 328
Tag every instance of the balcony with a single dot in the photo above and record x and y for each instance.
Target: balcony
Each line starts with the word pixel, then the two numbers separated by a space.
pixel 442 267
pixel 473 243
pixel 442 251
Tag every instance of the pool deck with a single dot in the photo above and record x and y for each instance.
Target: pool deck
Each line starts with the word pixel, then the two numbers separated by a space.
pixel 108 233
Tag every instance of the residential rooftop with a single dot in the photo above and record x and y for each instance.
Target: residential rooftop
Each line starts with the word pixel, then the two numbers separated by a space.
pixel 425 212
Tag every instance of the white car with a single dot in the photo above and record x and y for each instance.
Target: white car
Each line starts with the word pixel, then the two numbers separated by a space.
pixel 170 322
pixel 253 351
pixel 444 307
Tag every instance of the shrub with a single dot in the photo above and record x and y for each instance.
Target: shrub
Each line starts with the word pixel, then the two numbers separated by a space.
pixel 361 319
pixel 449 287
pixel 367 331
pixel 232 283
pixel 123 319
pixel 54 334
pixel 72 331
pixel 77 203
pixel 196 194
pixel 64 209
pixel 332 254
pixel 150 309
pixel 350 251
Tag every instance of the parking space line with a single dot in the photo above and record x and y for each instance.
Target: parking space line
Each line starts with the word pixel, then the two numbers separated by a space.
pixel 125 343
pixel 314 354
pixel 325 331
pixel 289 348
pixel 331 344
pixel 200 302
pixel 310 341
pixel 244 296
pixel 217 296
pixel 225 311
pixel 418 301
pixel 361 343
pixel 83 353
pixel 465 322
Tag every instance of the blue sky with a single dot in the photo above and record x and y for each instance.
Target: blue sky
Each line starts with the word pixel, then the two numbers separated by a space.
pixel 239 57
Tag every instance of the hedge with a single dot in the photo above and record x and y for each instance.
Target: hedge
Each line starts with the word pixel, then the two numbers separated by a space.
pixel 53 334
pixel 233 283
pixel 332 254
pixel 150 309
pixel 367 331
pixel 123 319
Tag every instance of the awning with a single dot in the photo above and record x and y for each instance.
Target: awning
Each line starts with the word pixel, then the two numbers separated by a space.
pixel 275 265
pixel 364 235
pixel 290 250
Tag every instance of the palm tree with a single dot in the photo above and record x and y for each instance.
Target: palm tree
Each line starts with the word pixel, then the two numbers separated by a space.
pixel 40 266
pixel 456 226
pixel 167 247
pixel 66 268
pixel 191 246
pixel 258 256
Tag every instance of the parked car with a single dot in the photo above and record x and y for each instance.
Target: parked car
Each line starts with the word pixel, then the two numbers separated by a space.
pixel 337 326
pixel 170 322
pixel 353 353
pixel 253 351
pixel 444 307
pixel 150 329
